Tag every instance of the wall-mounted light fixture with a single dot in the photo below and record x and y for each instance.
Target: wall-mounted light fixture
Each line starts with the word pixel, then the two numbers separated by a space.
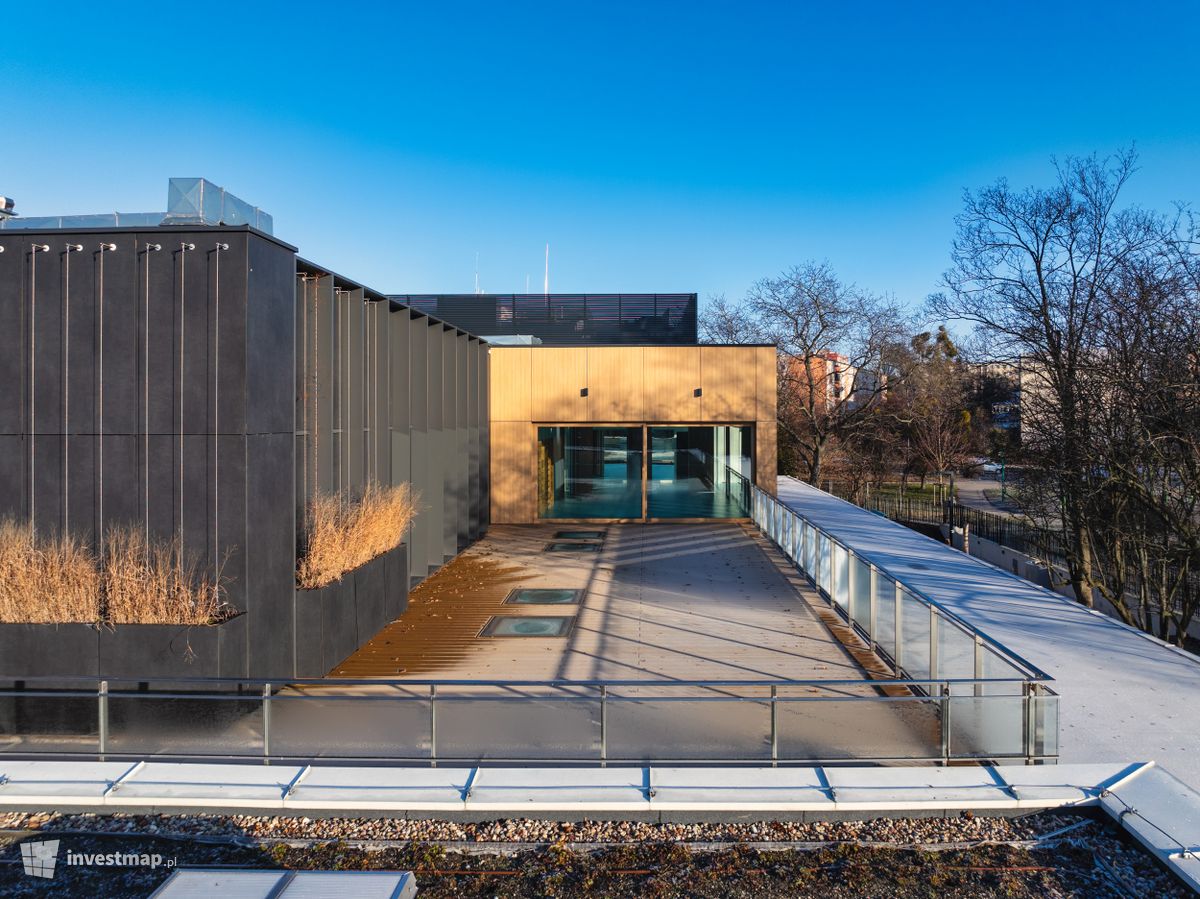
pixel 222 246
pixel 39 248
pixel 74 248
pixel 699 391
pixel 583 391
pixel 153 247
pixel 110 247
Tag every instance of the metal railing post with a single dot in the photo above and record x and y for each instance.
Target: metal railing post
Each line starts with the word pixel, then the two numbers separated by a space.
pixel 945 703
pixel 433 725
pixel 774 726
pixel 933 643
pixel 266 704
pixel 102 716
pixel 874 607
pixel 603 725
pixel 978 664
pixel 851 584
pixel 898 655
pixel 1028 727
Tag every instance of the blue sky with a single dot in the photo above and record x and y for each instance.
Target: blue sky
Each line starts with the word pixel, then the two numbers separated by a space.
pixel 657 146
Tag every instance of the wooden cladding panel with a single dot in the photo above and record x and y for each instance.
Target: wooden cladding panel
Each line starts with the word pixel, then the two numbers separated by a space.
pixel 768 376
pixel 615 384
pixel 559 376
pixel 513 472
pixel 765 455
pixel 509 379
pixel 729 379
pixel 671 377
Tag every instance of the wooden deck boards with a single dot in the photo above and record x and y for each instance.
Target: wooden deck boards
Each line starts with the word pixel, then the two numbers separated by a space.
pixel 685 602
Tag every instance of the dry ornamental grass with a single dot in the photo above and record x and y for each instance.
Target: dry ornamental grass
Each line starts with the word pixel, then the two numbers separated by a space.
pixel 56 579
pixel 46 579
pixel 155 582
pixel 343 531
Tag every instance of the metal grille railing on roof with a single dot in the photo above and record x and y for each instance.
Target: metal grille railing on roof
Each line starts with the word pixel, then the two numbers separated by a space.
pixel 568 319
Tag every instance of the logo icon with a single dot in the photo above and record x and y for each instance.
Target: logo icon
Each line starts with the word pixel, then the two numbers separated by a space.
pixel 39 857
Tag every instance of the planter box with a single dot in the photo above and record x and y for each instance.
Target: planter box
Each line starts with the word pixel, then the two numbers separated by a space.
pixel 45 650
pixel 308 658
pixel 396 568
pixel 143 650
pixel 150 651
pixel 329 625
pixel 370 595
pixel 339 631
pixel 334 621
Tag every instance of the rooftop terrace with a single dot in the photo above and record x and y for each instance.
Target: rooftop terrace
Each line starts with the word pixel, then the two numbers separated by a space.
pixel 677 602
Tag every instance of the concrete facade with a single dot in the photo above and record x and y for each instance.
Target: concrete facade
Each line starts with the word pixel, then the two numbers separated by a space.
pixel 204 383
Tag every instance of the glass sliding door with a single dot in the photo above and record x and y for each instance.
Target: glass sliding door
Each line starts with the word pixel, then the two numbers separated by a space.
pixel 692 471
pixel 699 472
pixel 589 472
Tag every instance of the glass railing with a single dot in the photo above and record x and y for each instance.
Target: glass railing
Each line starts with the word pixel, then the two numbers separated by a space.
pixel 768 722
pixel 967 674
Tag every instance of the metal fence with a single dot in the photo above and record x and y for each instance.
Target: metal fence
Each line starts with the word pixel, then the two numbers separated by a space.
pixel 1013 533
pixel 908 630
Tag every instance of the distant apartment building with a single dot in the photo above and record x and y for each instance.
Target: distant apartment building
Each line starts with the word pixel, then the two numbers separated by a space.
pixel 833 378
pixel 997 386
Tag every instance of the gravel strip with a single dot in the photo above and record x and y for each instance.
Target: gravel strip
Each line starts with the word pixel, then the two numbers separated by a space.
pixel 969 828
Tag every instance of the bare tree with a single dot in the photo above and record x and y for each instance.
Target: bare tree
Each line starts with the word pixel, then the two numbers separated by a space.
pixel 723 322
pixel 933 408
pixel 1145 501
pixel 1031 268
pixel 837 347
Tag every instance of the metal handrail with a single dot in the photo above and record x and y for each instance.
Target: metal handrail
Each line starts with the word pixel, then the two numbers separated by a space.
pixel 415 682
pixel 1032 671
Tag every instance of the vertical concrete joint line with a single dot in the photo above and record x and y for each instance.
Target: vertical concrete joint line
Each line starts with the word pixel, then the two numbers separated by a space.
pixel 216 401
pixel 104 248
pixel 183 293
pixel 150 248
pixel 34 249
pixel 66 386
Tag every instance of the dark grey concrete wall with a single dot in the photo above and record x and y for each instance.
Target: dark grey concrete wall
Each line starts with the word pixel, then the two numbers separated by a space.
pixel 388 394
pixel 209 389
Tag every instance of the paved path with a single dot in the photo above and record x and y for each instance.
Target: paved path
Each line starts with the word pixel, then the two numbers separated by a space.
pixel 971 493
pixel 1125 696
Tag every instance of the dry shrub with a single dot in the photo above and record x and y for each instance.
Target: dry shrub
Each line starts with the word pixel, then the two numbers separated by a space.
pixel 156 582
pixel 46 579
pixel 343 531
pixel 57 579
